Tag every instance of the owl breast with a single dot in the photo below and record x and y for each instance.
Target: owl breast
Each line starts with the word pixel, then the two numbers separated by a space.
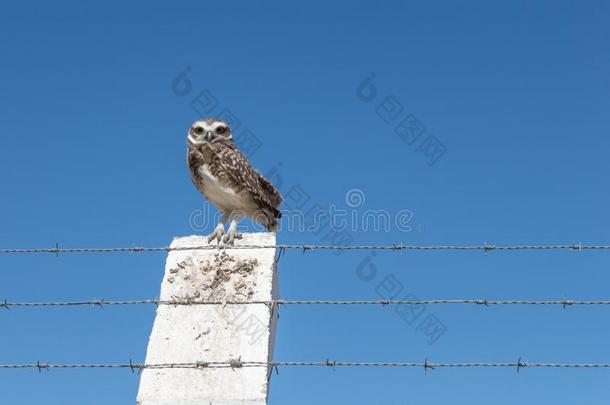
pixel 220 194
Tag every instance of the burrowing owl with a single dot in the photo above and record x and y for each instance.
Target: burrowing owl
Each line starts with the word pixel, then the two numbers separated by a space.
pixel 222 174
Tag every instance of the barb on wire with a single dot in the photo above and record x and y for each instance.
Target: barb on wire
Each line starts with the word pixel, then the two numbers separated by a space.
pixel 131 366
pixel 202 364
pixel 394 247
pixel 279 254
pixel 98 303
pixel 427 366
pixel 238 363
pixel 520 364
pixel 40 366
pixel 482 302
pixel 191 301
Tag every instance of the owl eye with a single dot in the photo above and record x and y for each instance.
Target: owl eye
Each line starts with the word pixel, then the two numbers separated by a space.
pixel 198 130
pixel 221 130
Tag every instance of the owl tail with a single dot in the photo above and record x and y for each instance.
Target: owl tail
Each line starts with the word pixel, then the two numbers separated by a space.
pixel 272 226
pixel 268 219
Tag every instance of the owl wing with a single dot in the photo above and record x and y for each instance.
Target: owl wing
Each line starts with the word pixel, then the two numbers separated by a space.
pixel 194 159
pixel 245 177
pixel 274 195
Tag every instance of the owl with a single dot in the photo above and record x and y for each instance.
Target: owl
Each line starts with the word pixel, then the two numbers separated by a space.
pixel 226 178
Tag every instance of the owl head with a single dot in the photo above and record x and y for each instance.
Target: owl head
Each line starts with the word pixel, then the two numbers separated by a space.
pixel 209 130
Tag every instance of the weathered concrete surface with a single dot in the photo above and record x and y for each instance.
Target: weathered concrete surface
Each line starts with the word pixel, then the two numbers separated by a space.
pixel 209 333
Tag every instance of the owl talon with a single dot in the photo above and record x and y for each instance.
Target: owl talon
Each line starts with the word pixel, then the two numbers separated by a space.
pixel 229 238
pixel 217 234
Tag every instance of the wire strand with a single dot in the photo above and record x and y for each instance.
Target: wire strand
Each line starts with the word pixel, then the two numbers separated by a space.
pixel 177 302
pixel 238 363
pixel 395 247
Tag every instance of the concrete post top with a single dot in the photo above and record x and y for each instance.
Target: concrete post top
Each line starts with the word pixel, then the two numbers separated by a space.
pixel 221 274
pixel 250 238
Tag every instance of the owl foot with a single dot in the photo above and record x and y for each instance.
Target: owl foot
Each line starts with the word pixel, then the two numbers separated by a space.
pixel 219 231
pixel 229 238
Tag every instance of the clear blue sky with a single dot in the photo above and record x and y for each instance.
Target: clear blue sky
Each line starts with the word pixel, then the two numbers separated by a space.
pixel 92 153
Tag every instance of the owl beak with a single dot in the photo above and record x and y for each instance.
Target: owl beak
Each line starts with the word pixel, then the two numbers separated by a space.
pixel 208 136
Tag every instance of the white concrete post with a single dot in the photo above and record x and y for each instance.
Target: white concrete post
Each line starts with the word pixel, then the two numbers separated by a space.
pixel 213 333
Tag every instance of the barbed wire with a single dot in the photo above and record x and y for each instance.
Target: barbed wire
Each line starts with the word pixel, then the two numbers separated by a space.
pixel 188 301
pixel 394 247
pixel 238 363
